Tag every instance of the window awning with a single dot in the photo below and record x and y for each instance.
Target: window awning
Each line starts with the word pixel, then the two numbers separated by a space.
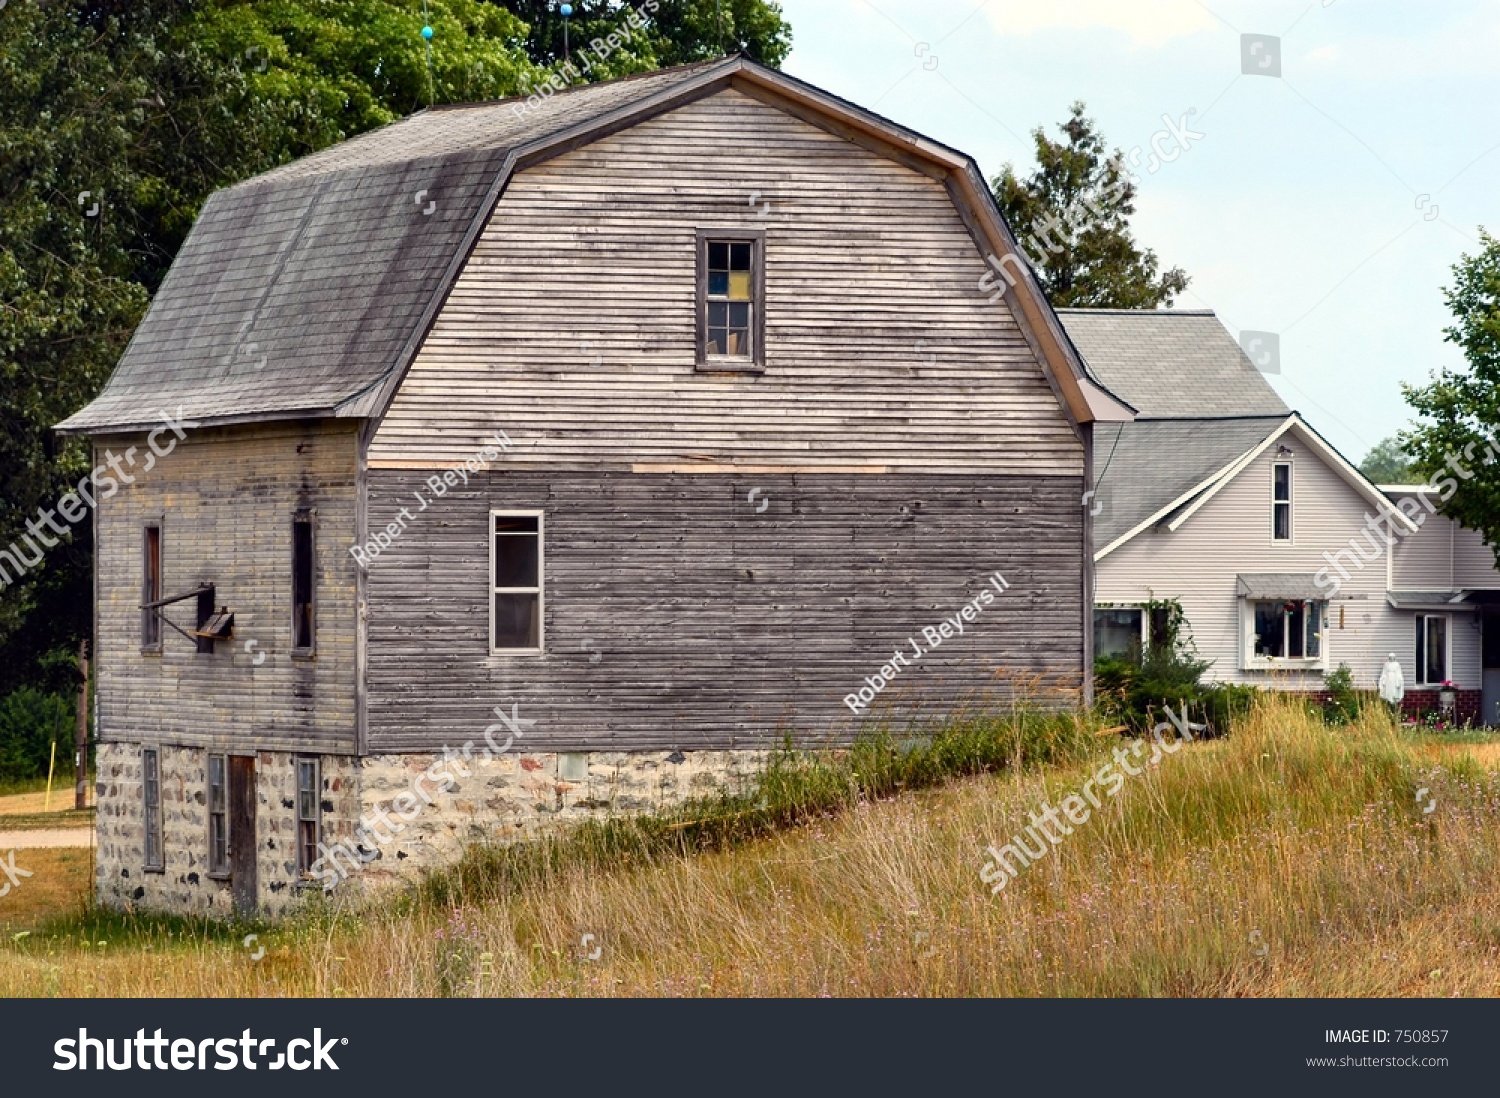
pixel 1282 586
pixel 1430 600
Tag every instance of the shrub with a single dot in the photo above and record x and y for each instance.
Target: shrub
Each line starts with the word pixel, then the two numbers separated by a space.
pixel 1344 703
pixel 30 719
pixel 1137 693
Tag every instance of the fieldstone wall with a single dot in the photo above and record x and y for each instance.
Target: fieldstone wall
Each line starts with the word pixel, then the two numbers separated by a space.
pixel 517 797
pixel 421 825
pixel 185 886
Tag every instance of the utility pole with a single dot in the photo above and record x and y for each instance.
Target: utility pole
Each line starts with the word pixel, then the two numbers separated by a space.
pixel 81 737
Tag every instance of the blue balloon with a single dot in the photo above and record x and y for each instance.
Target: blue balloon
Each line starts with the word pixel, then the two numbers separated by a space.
pixel 426 32
pixel 567 10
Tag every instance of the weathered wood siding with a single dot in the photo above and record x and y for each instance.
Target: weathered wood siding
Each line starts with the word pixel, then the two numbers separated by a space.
pixel 226 500
pixel 572 325
pixel 676 615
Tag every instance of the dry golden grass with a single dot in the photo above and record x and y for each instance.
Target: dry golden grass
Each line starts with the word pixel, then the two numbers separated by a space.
pixel 1288 860
pixel 59 884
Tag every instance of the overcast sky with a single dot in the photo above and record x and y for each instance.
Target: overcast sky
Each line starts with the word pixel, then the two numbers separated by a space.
pixel 1326 205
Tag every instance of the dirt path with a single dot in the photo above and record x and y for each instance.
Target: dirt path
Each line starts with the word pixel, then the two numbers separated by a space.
pixel 46 836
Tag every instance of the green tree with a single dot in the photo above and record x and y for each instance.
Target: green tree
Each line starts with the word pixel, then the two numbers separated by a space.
pixel 144 108
pixel 1458 411
pixel 1387 463
pixel 1072 218
pixel 679 32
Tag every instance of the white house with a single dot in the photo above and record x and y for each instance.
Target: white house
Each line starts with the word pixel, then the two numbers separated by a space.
pixel 1287 562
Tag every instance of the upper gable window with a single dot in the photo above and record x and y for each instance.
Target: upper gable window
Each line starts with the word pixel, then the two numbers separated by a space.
pixel 1281 501
pixel 731 291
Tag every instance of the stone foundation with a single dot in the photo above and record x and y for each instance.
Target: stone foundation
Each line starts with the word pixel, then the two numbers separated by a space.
pixel 386 808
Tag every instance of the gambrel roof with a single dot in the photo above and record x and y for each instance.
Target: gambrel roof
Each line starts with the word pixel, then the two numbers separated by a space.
pixel 306 291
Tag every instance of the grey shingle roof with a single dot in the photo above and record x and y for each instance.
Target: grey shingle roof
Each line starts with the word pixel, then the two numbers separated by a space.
pixel 306 286
pixel 1170 363
pixel 1281 585
pixel 1142 467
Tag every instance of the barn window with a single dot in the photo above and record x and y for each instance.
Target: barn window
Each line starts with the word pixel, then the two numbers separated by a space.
pixel 516 581
pixel 151 808
pixel 302 584
pixel 309 814
pixel 218 817
pixel 731 289
pixel 1281 501
pixel 151 586
pixel 1432 649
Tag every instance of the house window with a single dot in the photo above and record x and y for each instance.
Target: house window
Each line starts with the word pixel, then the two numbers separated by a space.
pixel 1289 630
pixel 516 576
pixel 1281 501
pixel 151 807
pixel 309 815
pixel 302 583
pixel 731 290
pixel 151 587
pixel 1117 632
pixel 1432 649
pixel 218 817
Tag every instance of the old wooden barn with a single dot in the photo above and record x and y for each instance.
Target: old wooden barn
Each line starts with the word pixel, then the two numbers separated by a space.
pixel 615 435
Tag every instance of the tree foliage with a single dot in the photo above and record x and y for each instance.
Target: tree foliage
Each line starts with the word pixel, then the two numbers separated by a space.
pixel 118 118
pixel 1072 218
pixel 1458 411
pixel 1387 463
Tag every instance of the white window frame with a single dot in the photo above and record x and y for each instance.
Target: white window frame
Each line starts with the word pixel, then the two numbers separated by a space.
pixel 1420 672
pixel 1288 503
pixel 541 580
pixel 1249 661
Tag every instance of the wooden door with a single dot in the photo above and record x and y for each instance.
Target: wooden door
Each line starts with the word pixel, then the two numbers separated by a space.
pixel 242 833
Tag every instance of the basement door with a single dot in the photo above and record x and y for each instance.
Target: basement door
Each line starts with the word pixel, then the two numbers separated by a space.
pixel 242 833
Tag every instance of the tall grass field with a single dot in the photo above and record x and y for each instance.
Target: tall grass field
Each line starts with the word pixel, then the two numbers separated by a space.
pixel 1289 858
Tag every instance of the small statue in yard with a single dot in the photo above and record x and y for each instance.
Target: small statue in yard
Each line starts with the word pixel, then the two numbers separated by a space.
pixel 1392 685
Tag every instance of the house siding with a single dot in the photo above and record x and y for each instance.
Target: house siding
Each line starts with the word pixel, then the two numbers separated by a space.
pixel 1231 535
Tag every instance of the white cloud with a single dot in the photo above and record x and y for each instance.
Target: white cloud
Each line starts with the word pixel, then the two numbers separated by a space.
pixel 1147 22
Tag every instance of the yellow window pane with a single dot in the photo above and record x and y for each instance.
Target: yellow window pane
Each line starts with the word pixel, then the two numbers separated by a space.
pixel 739 285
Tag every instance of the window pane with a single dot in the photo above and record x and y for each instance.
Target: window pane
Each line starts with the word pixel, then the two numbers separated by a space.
pixel 718 257
pixel 718 340
pixel 1437 649
pixel 1283 522
pixel 515 560
pixel 516 524
pixel 718 314
pixel 302 584
pixel 1270 629
pixel 739 315
pixel 1117 633
pixel 1421 660
pixel 739 257
pixel 516 621
pixel 739 286
pixel 718 283
pixel 151 586
pixel 1315 616
pixel 1296 631
pixel 1283 475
